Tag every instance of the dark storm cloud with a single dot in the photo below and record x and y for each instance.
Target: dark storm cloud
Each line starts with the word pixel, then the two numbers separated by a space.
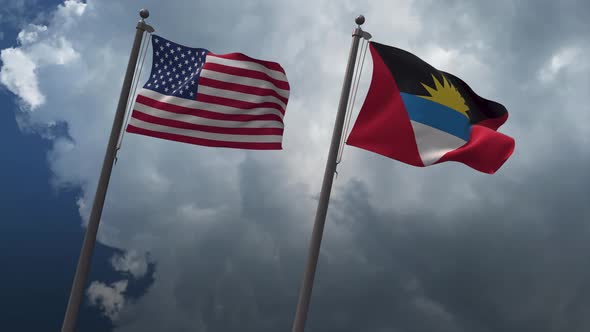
pixel 511 258
pixel 238 274
pixel 515 264
pixel 443 249
pixel 520 34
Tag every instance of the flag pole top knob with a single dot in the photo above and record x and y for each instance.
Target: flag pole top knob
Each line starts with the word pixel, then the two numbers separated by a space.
pixel 360 20
pixel 144 13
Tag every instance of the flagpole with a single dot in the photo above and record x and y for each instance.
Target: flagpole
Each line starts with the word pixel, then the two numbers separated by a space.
pixel 320 218
pixel 83 268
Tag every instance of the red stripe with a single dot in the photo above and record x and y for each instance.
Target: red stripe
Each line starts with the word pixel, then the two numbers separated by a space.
pixel 241 88
pixel 237 103
pixel 242 57
pixel 210 129
pixel 205 142
pixel 383 125
pixel 206 114
pixel 284 85
pixel 486 151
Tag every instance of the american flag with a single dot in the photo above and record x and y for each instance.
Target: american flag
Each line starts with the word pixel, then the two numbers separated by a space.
pixel 218 100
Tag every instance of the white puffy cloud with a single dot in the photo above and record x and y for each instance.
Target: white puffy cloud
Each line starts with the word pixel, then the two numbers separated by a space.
pixel 18 75
pixel 109 299
pixel 131 262
pixel 30 34
pixel 39 48
pixel 558 61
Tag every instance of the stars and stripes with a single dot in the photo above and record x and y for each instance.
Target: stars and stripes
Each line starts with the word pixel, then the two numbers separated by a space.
pixel 197 97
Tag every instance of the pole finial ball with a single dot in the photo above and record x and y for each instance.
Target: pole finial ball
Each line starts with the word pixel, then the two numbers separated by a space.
pixel 360 20
pixel 144 13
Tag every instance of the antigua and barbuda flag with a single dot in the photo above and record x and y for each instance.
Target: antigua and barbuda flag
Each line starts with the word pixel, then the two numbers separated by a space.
pixel 421 116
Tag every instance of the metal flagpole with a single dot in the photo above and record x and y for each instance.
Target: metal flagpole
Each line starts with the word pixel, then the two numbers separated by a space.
pixel 82 270
pixel 320 218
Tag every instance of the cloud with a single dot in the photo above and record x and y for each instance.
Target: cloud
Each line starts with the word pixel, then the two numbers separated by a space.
pixel 561 60
pixel 131 262
pixel 109 299
pixel 30 34
pixel 18 75
pixel 39 47
pixel 405 249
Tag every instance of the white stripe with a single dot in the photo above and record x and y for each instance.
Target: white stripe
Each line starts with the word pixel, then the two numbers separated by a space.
pixel 244 81
pixel 193 104
pixel 206 135
pixel 433 143
pixel 277 75
pixel 207 90
pixel 205 121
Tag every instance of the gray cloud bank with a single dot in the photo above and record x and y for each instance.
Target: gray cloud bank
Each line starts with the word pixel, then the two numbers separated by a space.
pixel 405 249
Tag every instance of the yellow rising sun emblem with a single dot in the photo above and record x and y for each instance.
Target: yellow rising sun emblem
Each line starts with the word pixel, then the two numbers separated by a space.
pixel 446 94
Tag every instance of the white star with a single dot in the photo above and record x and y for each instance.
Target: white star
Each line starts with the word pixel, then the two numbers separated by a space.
pixel 175 58
pixel 186 62
pixel 170 79
pixel 170 62
pixel 162 60
pixel 157 53
pixel 154 76
pixel 156 40
pixel 184 72
pixel 166 89
pixel 156 65
pixel 191 94
pixel 163 82
pixel 182 55
pixel 155 81
pixel 177 75
pixel 159 71
pixel 193 58
pixel 178 48
pixel 173 87
pixel 161 48
pixel 149 84
pixel 167 44
pixel 179 82
pixel 157 86
pixel 171 51
pixel 174 69
pixel 180 65
pixel 193 82
pixel 168 73
pixel 166 55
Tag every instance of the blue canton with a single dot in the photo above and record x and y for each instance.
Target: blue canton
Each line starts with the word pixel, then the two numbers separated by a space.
pixel 175 68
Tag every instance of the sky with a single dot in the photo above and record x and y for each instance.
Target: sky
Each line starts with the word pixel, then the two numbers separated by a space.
pixel 201 239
